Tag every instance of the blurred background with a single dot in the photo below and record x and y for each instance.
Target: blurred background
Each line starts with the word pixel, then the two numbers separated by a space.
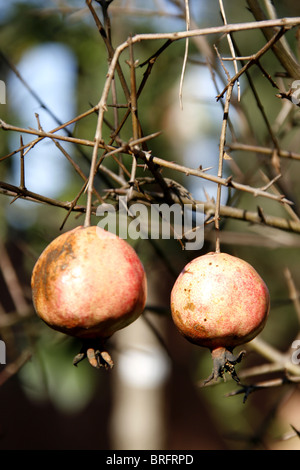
pixel 53 63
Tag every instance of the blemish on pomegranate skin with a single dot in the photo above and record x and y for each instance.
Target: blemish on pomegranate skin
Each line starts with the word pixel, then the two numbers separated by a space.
pixel 190 306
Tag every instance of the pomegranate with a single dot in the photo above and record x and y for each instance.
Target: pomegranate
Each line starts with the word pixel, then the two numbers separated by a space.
pixel 89 283
pixel 219 301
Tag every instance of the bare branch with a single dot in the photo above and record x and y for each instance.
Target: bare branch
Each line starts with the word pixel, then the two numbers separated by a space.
pixel 281 49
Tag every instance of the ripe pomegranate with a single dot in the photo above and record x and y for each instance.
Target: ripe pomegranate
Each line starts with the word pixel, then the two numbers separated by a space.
pixel 89 283
pixel 219 301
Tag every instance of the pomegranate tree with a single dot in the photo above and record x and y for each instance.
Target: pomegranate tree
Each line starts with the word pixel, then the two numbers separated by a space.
pixel 219 302
pixel 89 283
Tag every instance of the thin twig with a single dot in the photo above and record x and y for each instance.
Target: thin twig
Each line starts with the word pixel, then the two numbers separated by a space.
pixel 259 103
pixel 209 208
pixel 281 49
pixel 254 59
pixel 109 47
pixel 12 282
pixel 270 184
pixel 187 22
pixel 293 293
pixel 14 367
pixel 147 157
pixel 226 29
pixel 231 47
pixel 263 150
pixel 22 168
pixel 216 179
pixel 220 167
pixel 43 134
pixel 134 118
pixel 274 355
pixel 294 296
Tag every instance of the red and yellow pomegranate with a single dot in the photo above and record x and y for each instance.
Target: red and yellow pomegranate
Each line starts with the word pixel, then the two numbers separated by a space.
pixel 89 283
pixel 219 302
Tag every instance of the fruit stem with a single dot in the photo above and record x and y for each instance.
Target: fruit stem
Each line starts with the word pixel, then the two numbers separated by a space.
pixel 224 361
pixel 93 167
pixel 220 167
pixel 90 183
pixel 95 353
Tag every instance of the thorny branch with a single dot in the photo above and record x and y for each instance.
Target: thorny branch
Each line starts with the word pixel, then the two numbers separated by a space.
pixel 220 167
pixel 147 157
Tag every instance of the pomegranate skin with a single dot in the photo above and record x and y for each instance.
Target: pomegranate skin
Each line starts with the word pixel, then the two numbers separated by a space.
pixel 219 301
pixel 88 283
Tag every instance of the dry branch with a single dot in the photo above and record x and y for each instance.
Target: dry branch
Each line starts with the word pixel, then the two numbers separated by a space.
pixel 281 49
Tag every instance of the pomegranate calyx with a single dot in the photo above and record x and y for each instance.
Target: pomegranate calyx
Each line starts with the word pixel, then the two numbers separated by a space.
pixel 96 355
pixel 224 361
